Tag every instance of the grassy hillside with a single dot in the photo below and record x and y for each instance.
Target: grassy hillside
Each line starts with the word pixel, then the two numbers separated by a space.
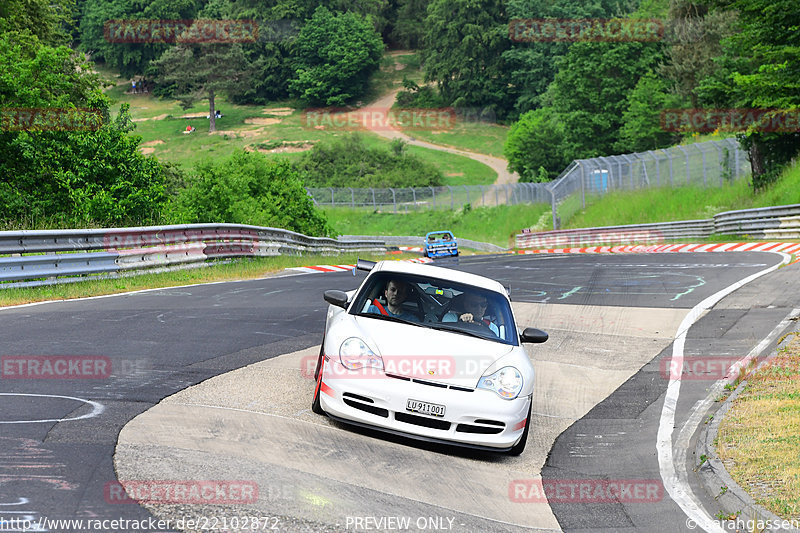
pixel 685 203
pixel 496 225
pixel 278 130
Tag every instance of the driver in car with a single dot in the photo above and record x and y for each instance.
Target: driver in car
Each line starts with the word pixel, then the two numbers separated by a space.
pixel 473 312
pixel 396 292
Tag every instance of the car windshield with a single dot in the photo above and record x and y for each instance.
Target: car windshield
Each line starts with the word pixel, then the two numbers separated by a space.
pixel 440 236
pixel 437 304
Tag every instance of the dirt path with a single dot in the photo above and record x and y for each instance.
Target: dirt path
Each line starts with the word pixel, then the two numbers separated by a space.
pixel 504 177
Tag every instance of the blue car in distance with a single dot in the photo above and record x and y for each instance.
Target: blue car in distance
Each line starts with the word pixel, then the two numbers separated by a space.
pixel 440 243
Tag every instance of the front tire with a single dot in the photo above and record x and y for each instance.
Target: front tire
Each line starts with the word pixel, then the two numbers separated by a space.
pixel 316 406
pixel 520 446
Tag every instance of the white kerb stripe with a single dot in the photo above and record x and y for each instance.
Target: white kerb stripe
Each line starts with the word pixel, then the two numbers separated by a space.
pixel 679 491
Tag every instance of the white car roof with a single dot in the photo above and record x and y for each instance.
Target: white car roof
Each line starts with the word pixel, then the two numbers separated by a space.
pixel 441 273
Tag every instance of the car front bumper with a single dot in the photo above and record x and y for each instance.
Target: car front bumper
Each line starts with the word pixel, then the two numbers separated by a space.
pixel 441 250
pixel 474 418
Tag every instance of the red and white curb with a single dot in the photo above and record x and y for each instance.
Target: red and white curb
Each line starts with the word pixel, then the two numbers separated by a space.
pixel 785 247
pixel 347 268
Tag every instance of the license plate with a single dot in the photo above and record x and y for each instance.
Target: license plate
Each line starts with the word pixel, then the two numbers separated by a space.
pixel 416 406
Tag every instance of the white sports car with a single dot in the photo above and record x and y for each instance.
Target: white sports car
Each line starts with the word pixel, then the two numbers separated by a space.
pixel 429 353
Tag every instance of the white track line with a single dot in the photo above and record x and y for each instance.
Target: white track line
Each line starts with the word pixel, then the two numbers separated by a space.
pixel 677 487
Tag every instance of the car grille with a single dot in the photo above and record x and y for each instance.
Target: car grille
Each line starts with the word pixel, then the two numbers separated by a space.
pixel 422 421
pixel 431 383
pixel 488 427
pixel 362 403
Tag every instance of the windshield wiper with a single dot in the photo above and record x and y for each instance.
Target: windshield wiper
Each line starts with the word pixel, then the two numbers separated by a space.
pixel 456 329
pixel 389 318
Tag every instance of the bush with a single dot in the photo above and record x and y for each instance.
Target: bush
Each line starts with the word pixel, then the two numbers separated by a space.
pixel 413 95
pixel 535 146
pixel 334 55
pixel 249 188
pixel 348 162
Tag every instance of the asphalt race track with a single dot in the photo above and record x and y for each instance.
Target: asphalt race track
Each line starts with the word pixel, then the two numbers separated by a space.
pixel 211 382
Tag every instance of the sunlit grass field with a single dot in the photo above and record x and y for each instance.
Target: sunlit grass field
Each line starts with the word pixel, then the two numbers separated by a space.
pixel 281 129
pixel 496 225
pixel 684 203
pixel 759 438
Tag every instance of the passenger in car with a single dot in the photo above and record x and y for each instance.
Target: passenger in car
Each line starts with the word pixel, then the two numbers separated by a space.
pixel 471 308
pixel 396 293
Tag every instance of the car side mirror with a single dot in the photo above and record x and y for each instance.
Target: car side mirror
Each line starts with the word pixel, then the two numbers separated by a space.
pixel 337 298
pixel 533 335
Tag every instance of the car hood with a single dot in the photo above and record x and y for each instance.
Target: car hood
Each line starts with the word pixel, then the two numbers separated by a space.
pixel 434 355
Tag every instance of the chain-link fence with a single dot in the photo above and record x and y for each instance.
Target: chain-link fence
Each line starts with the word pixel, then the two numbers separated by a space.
pixel 446 197
pixel 707 164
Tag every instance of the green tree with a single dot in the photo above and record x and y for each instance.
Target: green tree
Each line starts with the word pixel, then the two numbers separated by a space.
pixel 534 142
pixel 249 188
pixel 642 128
pixel 203 71
pixel 463 53
pixel 409 26
pixel 532 65
pixel 48 20
pixel 590 92
pixel 694 40
pixel 65 171
pixel 763 60
pixel 279 23
pixel 130 58
pixel 333 56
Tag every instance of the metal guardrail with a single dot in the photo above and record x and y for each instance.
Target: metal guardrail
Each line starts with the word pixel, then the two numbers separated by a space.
pixel 639 233
pixel 50 256
pixel 394 240
pixel 780 222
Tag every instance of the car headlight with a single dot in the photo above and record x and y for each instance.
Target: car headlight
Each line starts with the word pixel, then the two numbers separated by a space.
pixel 506 382
pixel 355 354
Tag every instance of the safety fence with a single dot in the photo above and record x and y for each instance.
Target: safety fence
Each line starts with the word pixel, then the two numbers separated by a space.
pixel 705 164
pixel 54 256
pixel 780 222
pixel 450 197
